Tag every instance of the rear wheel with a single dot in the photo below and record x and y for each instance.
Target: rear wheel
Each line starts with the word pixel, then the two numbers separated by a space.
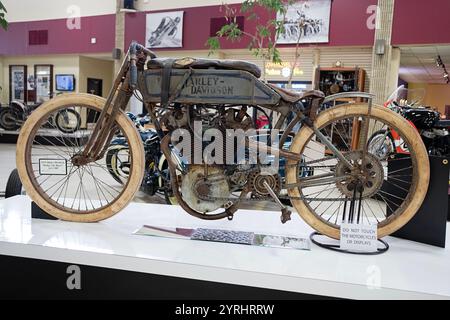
pixel 58 183
pixel 387 192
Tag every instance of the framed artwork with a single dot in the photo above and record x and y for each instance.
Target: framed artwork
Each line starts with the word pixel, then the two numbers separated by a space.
pixel 306 21
pixel 17 83
pixel 43 77
pixel 165 30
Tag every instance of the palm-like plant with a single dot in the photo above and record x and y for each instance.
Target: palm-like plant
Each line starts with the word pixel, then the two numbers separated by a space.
pixel 3 22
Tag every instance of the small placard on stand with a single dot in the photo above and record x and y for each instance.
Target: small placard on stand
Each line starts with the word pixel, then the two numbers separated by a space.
pixel 358 237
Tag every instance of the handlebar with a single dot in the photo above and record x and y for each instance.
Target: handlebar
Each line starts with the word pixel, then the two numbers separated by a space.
pixel 134 49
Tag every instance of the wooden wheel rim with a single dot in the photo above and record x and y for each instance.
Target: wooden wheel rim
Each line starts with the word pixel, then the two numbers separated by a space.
pixel 121 201
pixel 413 139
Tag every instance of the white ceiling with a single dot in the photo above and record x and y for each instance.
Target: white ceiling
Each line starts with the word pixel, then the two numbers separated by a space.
pixel 418 64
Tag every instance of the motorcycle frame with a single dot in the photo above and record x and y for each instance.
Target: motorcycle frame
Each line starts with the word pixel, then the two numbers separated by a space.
pixel 122 90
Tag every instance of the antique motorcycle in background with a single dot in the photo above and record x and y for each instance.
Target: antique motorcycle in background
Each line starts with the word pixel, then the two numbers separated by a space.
pixel 13 117
pixel 71 181
pixel 156 176
pixel 433 131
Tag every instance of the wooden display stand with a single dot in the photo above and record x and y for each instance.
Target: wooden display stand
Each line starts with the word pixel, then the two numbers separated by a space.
pixel 337 80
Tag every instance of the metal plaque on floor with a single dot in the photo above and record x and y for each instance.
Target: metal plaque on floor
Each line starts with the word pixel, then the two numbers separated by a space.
pixel 227 236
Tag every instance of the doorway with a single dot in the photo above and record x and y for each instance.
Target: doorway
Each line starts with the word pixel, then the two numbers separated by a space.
pixel 447 112
pixel 95 86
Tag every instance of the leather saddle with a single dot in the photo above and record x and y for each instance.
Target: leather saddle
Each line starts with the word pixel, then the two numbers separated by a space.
pixel 194 63
pixel 293 97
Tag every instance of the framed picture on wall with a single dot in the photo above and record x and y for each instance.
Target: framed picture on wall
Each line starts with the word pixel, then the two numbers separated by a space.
pixel 17 83
pixel 43 77
pixel 306 22
pixel 165 30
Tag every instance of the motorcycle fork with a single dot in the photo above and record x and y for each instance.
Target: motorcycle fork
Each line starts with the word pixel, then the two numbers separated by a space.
pixel 104 129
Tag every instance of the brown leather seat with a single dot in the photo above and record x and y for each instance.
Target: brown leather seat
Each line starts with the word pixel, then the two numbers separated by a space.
pixel 195 63
pixel 293 97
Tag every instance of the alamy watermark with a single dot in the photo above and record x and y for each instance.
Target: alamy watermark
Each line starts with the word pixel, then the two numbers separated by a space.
pixel 228 146
pixel 73 21
pixel 73 282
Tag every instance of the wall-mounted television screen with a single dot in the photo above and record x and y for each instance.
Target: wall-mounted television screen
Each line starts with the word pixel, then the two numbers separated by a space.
pixel 65 82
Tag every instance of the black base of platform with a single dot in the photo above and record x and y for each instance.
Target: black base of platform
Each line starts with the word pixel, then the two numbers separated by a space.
pixel 38 213
pixel 23 278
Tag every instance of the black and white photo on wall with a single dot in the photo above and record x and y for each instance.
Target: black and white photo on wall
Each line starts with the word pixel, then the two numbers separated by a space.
pixel 165 29
pixel 43 75
pixel 17 76
pixel 306 21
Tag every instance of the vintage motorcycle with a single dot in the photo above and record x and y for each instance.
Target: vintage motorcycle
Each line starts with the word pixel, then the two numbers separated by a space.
pixel 433 131
pixel 201 110
pixel 156 177
pixel 13 117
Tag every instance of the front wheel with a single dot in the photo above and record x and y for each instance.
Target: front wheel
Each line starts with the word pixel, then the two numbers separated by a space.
pixel 68 121
pixel 385 192
pixel 59 184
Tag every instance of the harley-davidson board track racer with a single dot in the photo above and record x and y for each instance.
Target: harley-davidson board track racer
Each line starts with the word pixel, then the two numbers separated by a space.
pixel 202 110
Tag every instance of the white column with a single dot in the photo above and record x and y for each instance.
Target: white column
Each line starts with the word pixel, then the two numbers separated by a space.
pixel 382 76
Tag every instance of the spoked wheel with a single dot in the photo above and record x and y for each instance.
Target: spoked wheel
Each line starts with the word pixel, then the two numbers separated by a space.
pixel 64 187
pixel 370 191
pixel 381 144
pixel 118 163
pixel 9 119
pixel 68 121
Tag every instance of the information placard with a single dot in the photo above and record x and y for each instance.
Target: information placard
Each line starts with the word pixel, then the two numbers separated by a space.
pixel 53 167
pixel 358 237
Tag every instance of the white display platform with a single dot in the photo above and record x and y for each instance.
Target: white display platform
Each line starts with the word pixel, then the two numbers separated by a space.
pixel 407 271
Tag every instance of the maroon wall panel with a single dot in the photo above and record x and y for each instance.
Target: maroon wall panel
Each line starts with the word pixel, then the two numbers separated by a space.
pixel 421 22
pixel 61 40
pixel 348 25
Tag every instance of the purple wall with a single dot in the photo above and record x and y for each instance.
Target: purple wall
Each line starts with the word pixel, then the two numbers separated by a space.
pixel 60 39
pixel 415 22
pixel 421 22
pixel 348 25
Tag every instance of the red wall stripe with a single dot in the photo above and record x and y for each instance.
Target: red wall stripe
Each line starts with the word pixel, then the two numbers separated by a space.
pixel 348 25
pixel 61 40
pixel 421 22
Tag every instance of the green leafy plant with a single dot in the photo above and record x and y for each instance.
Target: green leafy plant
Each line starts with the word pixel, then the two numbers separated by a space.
pixel 263 41
pixel 3 22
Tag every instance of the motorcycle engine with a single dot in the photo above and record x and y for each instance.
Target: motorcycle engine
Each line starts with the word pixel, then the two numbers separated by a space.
pixel 205 193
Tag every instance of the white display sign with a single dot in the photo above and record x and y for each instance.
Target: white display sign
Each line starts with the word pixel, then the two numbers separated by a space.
pixel 53 167
pixel 357 237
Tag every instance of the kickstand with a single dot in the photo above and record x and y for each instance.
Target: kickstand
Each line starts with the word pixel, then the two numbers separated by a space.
pixel 285 212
